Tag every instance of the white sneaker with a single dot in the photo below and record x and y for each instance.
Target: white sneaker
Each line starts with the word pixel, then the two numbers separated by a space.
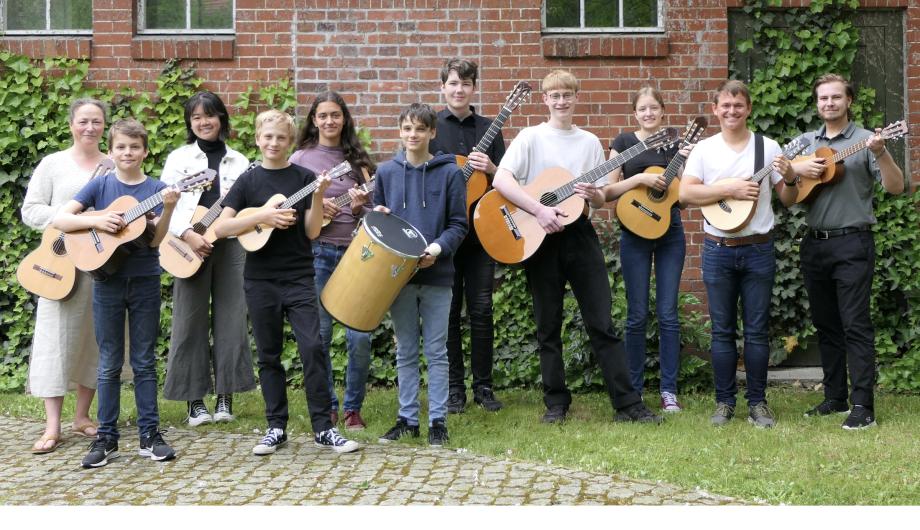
pixel 224 409
pixel 669 402
pixel 335 441
pixel 273 439
pixel 198 413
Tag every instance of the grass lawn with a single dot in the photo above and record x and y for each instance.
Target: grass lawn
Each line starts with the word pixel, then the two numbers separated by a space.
pixel 800 461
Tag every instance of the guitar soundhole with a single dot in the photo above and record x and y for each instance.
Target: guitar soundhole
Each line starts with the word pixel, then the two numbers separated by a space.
pixel 655 195
pixel 725 207
pixel 549 199
pixel 58 247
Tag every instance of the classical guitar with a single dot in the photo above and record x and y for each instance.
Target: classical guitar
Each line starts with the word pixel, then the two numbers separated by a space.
pixel 808 188
pixel 176 256
pixel 101 253
pixel 731 215
pixel 343 200
pixel 510 234
pixel 646 211
pixel 47 271
pixel 256 237
pixel 477 183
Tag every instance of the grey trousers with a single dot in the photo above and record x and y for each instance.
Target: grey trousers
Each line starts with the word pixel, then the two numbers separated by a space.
pixel 212 299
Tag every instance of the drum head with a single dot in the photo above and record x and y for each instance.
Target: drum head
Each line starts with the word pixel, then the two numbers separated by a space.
pixel 395 234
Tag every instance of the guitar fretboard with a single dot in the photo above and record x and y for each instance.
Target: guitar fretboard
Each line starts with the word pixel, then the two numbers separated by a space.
pixel 336 172
pixel 565 191
pixel 212 214
pixel 342 200
pixel 486 141
pixel 143 207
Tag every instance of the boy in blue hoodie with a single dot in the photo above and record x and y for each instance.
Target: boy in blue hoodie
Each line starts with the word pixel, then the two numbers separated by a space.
pixel 429 192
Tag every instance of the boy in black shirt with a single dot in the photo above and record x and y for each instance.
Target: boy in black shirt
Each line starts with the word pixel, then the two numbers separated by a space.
pixel 278 279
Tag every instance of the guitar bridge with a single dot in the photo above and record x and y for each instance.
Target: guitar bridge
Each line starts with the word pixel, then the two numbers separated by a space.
pixel 97 242
pixel 725 207
pixel 645 209
pixel 46 272
pixel 509 222
pixel 179 250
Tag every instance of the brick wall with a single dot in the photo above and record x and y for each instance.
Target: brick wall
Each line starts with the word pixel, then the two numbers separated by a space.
pixel 384 54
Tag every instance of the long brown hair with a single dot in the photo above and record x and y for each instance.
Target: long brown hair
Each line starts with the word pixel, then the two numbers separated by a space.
pixel 354 152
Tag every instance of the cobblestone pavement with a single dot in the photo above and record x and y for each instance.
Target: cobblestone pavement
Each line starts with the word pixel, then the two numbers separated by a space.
pixel 219 468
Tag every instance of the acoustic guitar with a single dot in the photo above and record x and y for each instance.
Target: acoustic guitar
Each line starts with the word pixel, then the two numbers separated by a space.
pixel 731 215
pixel 510 234
pixel 808 188
pixel 477 183
pixel 177 256
pixel 47 271
pixel 257 236
pixel 646 211
pixel 101 253
pixel 342 200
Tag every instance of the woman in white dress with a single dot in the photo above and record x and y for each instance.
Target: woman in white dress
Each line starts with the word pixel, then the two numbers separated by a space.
pixel 64 352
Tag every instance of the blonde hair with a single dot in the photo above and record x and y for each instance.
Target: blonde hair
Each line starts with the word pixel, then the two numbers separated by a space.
pixel 559 79
pixel 128 127
pixel 274 116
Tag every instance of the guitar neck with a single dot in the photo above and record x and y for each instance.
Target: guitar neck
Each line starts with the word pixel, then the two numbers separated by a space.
pixel 849 151
pixel 212 214
pixel 303 192
pixel 342 200
pixel 567 190
pixel 486 141
pixel 143 207
pixel 670 172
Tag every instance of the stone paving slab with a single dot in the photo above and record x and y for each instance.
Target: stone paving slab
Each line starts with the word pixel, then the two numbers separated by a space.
pixel 217 468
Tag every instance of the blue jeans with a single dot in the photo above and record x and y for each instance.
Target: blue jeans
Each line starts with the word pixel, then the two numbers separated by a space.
pixel 140 298
pixel 431 305
pixel 325 259
pixel 730 273
pixel 636 255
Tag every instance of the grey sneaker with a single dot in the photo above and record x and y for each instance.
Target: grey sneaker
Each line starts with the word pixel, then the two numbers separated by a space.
pixel 761 416
pixel 723 414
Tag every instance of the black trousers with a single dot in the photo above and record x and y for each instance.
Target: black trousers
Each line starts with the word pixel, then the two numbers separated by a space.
pixel 474 272
pixel 269 302
pixel 838 277
pixel 574 256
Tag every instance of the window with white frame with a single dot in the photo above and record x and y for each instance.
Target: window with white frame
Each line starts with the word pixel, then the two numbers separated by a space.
pixel 624 16
pixel 185 16
pixel 52 17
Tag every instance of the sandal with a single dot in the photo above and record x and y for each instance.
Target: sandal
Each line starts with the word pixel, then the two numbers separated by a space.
pixel 38 448
pixel 83 429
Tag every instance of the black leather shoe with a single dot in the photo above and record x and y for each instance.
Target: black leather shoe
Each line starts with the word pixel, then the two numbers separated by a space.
pixel 456 402
pixel 486 399
pixel 555 414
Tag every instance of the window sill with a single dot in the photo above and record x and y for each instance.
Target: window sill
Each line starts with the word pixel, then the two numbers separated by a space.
pixel 161 47
pixel 605 45
pixel 39 47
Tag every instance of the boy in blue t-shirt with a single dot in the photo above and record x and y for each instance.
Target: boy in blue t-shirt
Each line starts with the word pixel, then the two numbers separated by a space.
pixel 134 288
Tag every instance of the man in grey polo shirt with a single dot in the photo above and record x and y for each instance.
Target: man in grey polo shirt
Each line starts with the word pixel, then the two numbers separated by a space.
pixel 838 252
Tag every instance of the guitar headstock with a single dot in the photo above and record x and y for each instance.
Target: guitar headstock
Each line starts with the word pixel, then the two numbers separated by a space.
pixel 694 130
pixel 339 170
pixel 663 138
pixel 197 181
pixel 518 95
pixel 104 166
pixel 796 146
pixel 895 130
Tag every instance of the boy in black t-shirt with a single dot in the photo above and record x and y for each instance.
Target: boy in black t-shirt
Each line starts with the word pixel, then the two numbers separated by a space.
pixel 278 280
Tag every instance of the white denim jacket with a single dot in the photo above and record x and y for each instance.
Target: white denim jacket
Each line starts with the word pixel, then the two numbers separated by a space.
pixel 188 160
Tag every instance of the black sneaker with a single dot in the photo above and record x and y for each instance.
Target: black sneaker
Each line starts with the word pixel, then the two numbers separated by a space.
pixel 486 399
pixel 860 418
pixel 198 413
pixel 761 416
pixel 828 407
pixel 273 439
pixel 402 428
pixel 335 441
pixel 723 414
pixel 555 414
pixel 101 450
pixel 224 409
pixel 456 402
pixel 437 433
pixel 637 413
pixel 153 446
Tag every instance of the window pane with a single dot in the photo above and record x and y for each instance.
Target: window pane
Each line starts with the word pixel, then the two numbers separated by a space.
pixel 640 13
pixel 71 14
pixel 602 13
pixel 164 14
pixel 25 14
pixel 212 14
pixel 562 14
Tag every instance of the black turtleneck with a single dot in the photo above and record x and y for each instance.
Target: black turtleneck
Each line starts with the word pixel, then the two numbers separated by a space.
pixel 215 151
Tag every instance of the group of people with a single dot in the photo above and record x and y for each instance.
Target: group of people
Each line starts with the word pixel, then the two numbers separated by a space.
pixel 209 346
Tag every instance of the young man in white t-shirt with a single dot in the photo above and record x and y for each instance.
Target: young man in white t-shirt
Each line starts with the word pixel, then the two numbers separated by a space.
pixel 568 254
pixel 739 264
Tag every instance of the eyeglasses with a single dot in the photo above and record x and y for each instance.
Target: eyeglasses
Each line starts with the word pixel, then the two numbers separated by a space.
pixel 566 96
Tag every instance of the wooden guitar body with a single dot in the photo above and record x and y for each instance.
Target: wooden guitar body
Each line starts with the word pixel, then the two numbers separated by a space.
pixel 511 235
pixel 809 188
pixel 644 214
pixel 476 186
pixel 729 215
pixel 90 250
pixel 177 257
pixel 256 238
pixel 47 271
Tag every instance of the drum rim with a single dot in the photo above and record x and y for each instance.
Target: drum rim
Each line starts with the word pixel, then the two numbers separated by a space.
pixel 375 239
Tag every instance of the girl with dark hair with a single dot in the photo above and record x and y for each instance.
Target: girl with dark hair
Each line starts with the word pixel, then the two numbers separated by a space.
pixel 211 302
pixel 327 139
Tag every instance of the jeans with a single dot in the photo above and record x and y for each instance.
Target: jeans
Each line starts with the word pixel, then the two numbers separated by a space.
pixel 730 273
pixel 140 298
pixel 636 255
pixel 325 258
pixel 474 273
pixel 838 277
pixel 431 305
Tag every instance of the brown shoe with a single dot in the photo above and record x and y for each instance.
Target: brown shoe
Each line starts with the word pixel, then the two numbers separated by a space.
pixel 354 421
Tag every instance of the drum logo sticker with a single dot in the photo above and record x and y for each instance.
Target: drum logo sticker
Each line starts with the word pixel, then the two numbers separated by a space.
pixel 411 234
pixel 366 253
pixel 396 269
pixel 377 231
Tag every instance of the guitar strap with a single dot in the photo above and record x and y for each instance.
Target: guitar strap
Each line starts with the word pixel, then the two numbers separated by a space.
pixel 758 155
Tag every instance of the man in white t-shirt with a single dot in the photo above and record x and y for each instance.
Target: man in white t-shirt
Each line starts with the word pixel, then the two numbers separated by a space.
pixel 568 254
pixel 740 264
